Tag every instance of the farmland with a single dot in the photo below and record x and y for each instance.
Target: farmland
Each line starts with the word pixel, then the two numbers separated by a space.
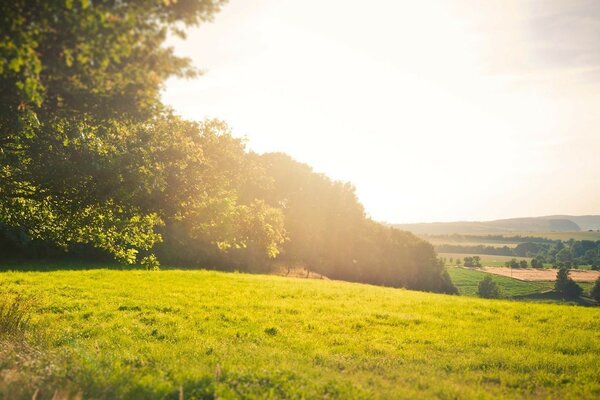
pixel 200 334
pixel 486 259
pixel 467 281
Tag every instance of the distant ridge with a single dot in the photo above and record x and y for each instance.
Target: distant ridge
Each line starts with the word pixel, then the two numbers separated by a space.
pixel 550 223
pixel 585 222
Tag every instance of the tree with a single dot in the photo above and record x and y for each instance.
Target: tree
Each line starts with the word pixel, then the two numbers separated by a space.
pixel 488 289
pixel 595 292
pixel 533 263
pixel 469 262
pixel 330 234
pixel 565 285
pixel 75 77
pixel 523 264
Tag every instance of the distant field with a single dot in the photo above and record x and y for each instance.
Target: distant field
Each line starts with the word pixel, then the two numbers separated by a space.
pixel 439 241
pixel 545 274
pixel 204 335
pixel 486 259
pixel 467 281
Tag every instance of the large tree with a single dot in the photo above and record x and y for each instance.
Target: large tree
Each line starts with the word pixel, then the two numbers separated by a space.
pixel 77 78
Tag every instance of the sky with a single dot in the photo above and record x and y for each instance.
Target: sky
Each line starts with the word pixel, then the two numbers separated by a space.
pixel 436 110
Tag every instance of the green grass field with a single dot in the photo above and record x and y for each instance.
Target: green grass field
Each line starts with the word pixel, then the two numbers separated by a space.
pixel 199 334
pixel 467 281
pixel 486 259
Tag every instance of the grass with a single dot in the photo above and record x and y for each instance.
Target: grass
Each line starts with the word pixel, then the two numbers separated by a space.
pixel 139 334
pixel 14 315
pixel 486 259
pixel 467 282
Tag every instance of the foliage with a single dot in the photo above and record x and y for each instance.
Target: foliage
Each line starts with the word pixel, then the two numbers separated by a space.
pixel 472 262
pixel 89 157
pixel 330 234
pixel 488 289
pixel 567 253
pixel 595 292
pixel 75 77
pixel 134 334
pixel 565 285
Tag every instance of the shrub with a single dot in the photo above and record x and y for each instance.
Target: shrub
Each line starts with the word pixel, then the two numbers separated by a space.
pixel 150 263
pixel 488 288
pixel 565 285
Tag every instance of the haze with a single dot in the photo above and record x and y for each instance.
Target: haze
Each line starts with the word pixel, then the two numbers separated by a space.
pixel 434 110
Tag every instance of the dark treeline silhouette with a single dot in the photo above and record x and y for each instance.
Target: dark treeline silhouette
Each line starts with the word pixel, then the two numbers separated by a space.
pixel 93 165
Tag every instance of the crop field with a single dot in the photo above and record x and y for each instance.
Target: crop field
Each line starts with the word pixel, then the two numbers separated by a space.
pixel 200 334
pixel 543 274
pixel 436 241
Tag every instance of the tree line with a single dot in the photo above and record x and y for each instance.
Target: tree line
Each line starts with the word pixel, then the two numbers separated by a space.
pixel 559 253
pixel 93 165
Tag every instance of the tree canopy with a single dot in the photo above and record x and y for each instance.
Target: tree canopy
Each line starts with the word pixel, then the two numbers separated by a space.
pixel 89 156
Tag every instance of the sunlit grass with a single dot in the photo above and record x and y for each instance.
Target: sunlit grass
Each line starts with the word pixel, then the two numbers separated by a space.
pixel 137 334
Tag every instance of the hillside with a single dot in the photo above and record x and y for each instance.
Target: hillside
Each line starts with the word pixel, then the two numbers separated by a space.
pixel 199 334
pixel 534 224
pixel 585 222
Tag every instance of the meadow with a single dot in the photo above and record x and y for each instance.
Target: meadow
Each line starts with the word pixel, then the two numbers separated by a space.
pixel 203 334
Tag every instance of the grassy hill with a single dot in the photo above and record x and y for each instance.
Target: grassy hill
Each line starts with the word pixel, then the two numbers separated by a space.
pixel 199 334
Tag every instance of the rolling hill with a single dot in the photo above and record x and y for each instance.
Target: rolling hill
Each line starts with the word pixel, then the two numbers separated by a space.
pixel 203 335
pixel 557 223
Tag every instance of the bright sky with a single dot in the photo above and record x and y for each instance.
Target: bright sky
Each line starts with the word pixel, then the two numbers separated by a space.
pixel 436 110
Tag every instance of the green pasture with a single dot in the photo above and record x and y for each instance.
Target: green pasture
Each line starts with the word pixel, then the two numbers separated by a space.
pixel 204 335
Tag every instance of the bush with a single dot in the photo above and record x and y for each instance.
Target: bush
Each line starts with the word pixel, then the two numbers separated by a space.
pixel 488 288
pixel 565 285
pixel 150 263
pixel 595 292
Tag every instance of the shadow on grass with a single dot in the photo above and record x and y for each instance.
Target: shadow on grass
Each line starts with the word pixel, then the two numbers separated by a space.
pixel 74 265
pixel 555 297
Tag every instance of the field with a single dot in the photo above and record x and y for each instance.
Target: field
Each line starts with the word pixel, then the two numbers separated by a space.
pixel 436 241
pixel 467 281
pixel 199 334
pixel 486 259
pixel 545 274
